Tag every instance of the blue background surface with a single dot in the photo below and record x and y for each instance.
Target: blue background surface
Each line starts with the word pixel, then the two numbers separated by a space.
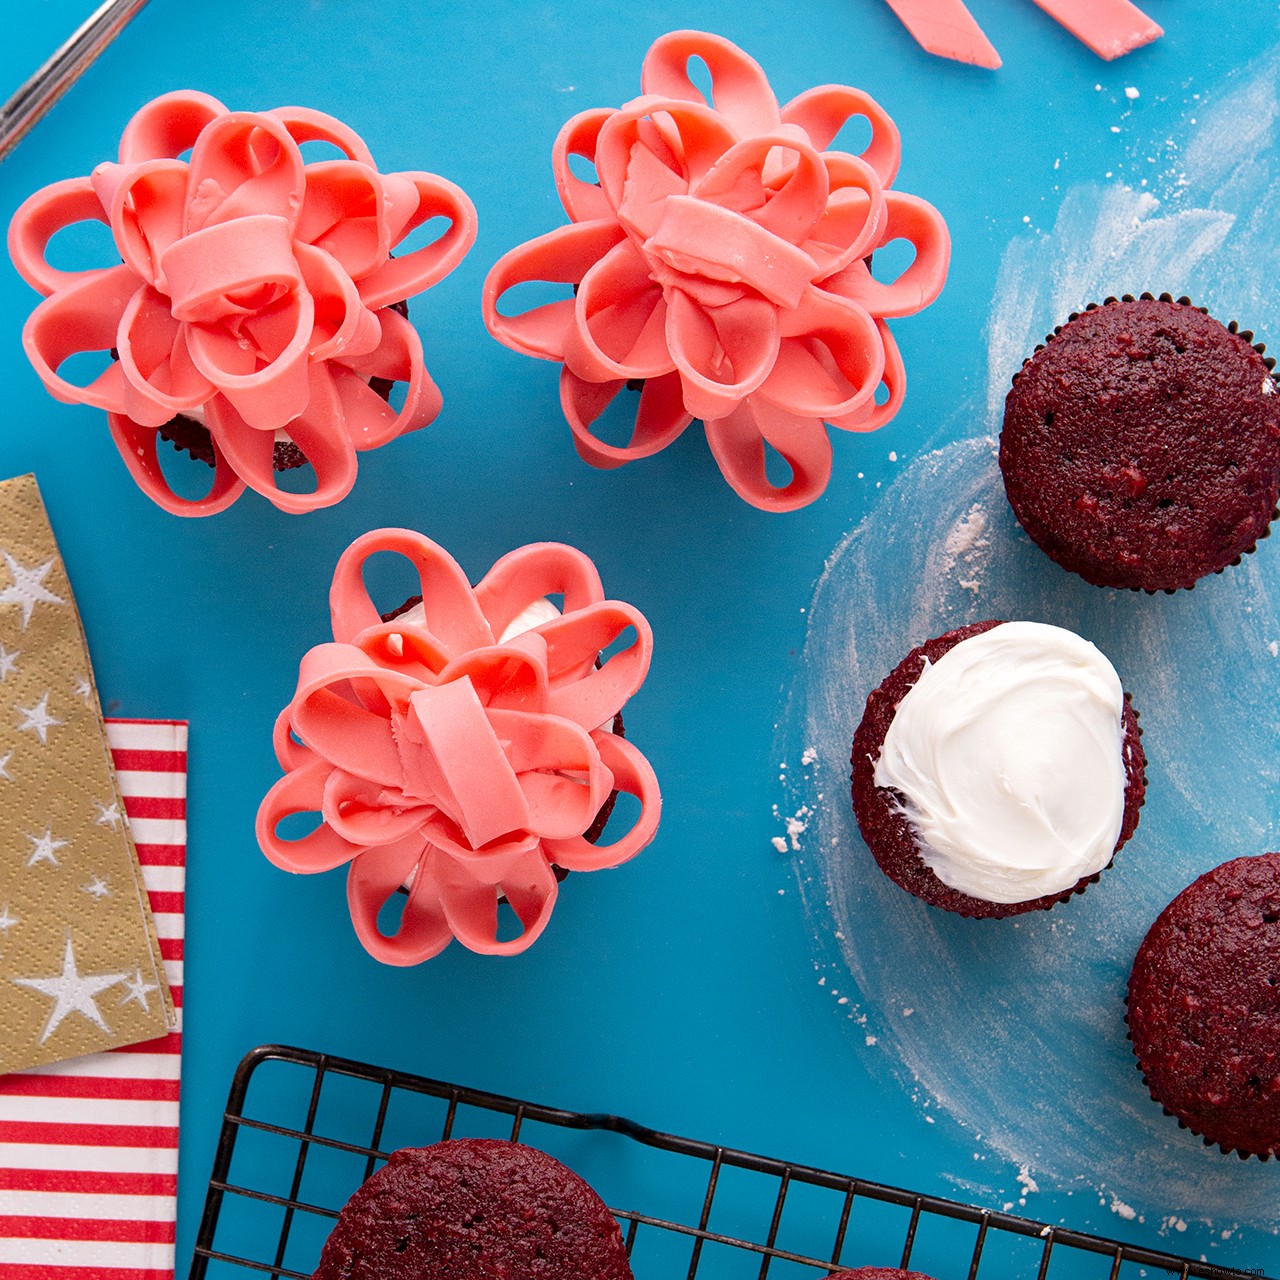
pixel 679 990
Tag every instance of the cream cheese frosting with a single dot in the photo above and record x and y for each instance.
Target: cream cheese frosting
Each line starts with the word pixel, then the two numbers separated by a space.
pixel 1008 755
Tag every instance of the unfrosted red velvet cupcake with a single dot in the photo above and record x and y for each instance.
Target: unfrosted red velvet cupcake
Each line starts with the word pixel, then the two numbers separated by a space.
pixel 465 750
pixel 256 319
pixel 1141 444
pixel 998 768
pixel 878 1273
pixel 1204 1007
pixel 474 1209
pixel 720 264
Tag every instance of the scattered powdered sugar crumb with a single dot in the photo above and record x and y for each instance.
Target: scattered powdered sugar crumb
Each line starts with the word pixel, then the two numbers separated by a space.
pixel 968 533
pixel 871 1040
pixel 797 825
pixel 1125 1211
pixel 1274 648
pixel 1173 1224
pixel 1027 1183
pixel 965 542
pixel 779 843
pixel 893 455
pixel 810 755
pixel 1131 93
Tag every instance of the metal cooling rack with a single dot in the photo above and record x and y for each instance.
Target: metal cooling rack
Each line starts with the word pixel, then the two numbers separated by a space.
pixel 302 1130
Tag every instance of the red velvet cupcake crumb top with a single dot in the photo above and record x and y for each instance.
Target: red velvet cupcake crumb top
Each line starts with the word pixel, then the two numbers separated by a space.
pixel 1141 445
pixel 474 1209
pixel 1204 1006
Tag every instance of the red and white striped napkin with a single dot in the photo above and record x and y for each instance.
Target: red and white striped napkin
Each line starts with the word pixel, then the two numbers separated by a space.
pixel 89 1147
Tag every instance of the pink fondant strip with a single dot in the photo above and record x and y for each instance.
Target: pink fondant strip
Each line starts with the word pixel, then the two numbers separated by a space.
pixel 948 29
pixel 1111 28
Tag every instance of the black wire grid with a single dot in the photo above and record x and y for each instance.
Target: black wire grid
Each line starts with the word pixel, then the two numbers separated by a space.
pixel 302 1130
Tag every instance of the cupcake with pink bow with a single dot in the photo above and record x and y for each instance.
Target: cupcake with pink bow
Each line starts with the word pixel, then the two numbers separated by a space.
pixel 256 317
pixel 465 751
pixel 720 268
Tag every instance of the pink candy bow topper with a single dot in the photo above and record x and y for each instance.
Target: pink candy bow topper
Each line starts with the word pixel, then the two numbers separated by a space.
pixel 465 754
pixel 723 260
pixel 255 293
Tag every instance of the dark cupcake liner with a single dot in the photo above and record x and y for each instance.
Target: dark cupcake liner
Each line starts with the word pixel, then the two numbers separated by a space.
pixel 887 831
pixel 1232 327
pixel 1226 1150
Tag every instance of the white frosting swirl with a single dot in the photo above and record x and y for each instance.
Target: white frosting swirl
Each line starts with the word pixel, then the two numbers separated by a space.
pixel 1008 754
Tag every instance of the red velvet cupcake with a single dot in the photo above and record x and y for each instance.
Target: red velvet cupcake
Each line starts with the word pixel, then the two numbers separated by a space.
pixel 1204 1007
pixel 474 1209
pixel 878 1273
pixel 998 768
pixel 1141 444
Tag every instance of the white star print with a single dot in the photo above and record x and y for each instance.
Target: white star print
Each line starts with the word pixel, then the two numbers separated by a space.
pixel 97 887
pixel 4 766
pixel 83 689
pixel 38 720
pixel 8 661
pixel 72 993
pixel 43 848
pixel 27 588
pixel 7 921
pixel 136 988
pixel 108 815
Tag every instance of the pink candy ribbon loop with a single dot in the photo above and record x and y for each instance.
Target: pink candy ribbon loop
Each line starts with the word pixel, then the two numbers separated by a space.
pixel 739 88
pixel 583 201
pixel 301 791
pixel 619 319
pixel 453 753
pixel 561 257
pixel 722 262
pixel 921 226
pixel 137 446
pixel 373 879
pixel 830 361
pixel 453 619
pixel 39 218
pixel 401 277
pixel 305 124
pixel 660 418
pixel 255 293
pixel 824 111
pixel 146 214
pixel 167 126
pixel 872 415
pixel 99 301
pixel 471 907
pixel 534 572
pixel 738 445
pixel 632 775
pixel 242 164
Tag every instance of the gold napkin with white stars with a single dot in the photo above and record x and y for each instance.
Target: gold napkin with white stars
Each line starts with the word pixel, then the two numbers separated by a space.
pixel 80 967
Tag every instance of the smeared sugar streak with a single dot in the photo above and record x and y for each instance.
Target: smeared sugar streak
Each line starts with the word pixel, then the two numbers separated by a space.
pixel 1204 226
